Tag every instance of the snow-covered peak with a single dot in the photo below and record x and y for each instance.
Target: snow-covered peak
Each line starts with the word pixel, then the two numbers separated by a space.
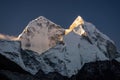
pixel 83 44
pixel 65 54
pixel 50 49
pixel 78 21
pixel 40 35
pixel 90 33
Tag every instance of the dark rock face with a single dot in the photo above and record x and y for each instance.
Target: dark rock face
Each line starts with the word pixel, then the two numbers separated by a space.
pixel 9 66
pixel 6 64
pixel 51 76
pixel 99 70
pixel 111 49
pixel 9 75
pixel 3 77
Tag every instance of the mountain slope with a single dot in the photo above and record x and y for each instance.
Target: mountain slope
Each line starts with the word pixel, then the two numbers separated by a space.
pixel 45 46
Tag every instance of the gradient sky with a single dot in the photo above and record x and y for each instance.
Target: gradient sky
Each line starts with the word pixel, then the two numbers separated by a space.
pixel 104 14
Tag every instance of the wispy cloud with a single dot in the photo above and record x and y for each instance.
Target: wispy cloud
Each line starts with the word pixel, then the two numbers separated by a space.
pixel 7 37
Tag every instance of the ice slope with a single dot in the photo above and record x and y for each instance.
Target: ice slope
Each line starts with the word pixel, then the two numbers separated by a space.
pixel 46 47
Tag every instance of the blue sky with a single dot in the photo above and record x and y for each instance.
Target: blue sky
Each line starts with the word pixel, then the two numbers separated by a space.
pixel 104 14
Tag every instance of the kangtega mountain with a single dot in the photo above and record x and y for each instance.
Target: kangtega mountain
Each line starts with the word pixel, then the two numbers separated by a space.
pixel 46 51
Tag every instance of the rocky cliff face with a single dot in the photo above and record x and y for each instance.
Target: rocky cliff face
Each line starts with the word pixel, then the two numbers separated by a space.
pixel 47 51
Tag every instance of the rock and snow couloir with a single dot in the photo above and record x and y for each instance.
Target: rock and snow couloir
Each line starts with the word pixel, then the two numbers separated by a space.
pixel 48 47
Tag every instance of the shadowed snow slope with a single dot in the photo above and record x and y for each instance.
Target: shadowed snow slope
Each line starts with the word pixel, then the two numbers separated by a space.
pixel 46 47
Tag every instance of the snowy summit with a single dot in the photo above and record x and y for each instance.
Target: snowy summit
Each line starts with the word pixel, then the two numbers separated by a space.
pixel 40 35
pixel 48 47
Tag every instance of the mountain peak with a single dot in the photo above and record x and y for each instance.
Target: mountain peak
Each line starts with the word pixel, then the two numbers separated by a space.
pixel 78 21
pixel 50 50
pixel 42 18
pixel 40 35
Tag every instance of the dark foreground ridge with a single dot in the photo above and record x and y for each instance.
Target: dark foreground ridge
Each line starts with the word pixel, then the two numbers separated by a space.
pixel 99 70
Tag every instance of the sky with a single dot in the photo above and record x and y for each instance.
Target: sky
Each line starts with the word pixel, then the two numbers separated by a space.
pixel 104 14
